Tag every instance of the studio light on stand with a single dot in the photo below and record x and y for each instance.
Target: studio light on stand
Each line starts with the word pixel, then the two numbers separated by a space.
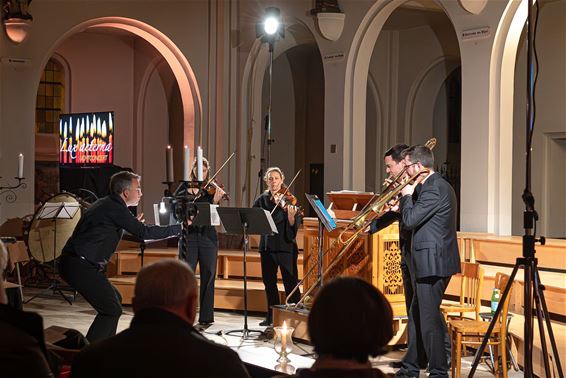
pixel 270 29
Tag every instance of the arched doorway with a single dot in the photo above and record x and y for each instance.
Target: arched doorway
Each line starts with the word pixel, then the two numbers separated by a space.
pixel 137 51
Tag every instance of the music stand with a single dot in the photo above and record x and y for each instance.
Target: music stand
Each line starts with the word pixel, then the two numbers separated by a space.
pixel 324 219
pixel 246 221
pixel 54 211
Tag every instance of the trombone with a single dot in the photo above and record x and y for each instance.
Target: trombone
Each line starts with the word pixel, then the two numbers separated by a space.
pixel 376 210
pixel 376 207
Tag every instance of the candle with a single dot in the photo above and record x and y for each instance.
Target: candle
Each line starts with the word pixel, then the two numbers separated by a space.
pixel 186 163
pixel 284 338
pixel 199 164
pixel 20 165
pixel 169 163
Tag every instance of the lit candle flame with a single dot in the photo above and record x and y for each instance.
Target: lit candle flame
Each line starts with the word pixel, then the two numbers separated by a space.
pixel 104 129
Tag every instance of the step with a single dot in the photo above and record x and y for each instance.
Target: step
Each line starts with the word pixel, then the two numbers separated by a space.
pixel 228 293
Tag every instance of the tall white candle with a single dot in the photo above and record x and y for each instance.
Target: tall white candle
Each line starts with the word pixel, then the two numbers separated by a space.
pixel 199 164
pixel 20 165
pixel 186 163
pixel 169 163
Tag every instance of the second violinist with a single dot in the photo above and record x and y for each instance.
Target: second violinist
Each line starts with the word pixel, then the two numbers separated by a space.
pixel 278 251
pixel 203 247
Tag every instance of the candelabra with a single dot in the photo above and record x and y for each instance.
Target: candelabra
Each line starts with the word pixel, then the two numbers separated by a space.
pixel 8 191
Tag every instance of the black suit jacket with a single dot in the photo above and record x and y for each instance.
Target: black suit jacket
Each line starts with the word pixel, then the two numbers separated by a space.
pixel 432 219
pixel 100 229
pixel 157 344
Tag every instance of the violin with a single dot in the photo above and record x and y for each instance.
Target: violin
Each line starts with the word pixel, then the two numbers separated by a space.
pixel 213 186
pixel 288 200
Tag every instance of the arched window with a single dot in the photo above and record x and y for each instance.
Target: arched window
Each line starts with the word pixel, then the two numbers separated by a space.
pixel 50 98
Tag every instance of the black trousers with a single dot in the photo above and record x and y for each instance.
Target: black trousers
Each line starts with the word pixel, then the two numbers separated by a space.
pixel 204 251
pixel 94 286
pixel 287 262
pixel 409 293
pixel 426 329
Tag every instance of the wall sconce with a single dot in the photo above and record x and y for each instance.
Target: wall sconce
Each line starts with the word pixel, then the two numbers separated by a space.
pixel 330 19
pixel 16 19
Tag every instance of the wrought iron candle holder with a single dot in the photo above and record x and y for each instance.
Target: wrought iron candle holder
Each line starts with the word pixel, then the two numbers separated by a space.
pixel 8 191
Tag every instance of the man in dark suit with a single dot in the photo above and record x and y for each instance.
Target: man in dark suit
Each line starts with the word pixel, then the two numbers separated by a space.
pixel 428 208
pixel 161 341
pixel 94 240
pixel 394 164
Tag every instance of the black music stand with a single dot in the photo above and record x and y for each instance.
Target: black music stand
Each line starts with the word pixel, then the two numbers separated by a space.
pixel 246 221
pixel 54 211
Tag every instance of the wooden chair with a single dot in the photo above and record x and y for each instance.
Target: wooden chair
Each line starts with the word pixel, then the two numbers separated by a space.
pixel 470 292
pixel 471 332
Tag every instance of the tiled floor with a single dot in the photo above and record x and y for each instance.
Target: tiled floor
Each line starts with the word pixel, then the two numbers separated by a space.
pixel 55 311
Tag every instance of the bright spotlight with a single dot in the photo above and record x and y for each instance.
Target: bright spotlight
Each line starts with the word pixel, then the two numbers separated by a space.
pixel 270 28
pixel 271 25
pixel 162 208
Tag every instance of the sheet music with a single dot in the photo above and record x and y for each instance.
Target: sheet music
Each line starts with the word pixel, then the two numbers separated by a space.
pixel 214 217
pixel 156 214
pixel 50 209
pixel 271 222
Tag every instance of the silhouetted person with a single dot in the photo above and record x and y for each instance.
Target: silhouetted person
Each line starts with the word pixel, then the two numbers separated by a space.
pixel 161 341
pixel 350 321
pixel 22 346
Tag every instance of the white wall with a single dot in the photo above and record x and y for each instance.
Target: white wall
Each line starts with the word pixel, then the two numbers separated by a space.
pixel 102 80
pixel 548 183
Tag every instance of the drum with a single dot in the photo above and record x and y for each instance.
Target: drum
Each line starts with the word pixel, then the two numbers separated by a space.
pixel 60 213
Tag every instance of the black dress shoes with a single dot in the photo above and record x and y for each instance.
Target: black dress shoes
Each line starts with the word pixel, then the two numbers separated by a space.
pixel 266 323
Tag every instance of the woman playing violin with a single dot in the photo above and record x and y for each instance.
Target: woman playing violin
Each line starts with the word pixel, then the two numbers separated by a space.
pixel 278 250
pixel 203 246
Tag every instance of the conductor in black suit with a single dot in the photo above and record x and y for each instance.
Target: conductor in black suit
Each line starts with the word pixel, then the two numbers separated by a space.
pixel 428 208
pixel 93 242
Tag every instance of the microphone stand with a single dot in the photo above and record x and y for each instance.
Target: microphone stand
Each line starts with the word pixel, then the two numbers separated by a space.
pixel 533 289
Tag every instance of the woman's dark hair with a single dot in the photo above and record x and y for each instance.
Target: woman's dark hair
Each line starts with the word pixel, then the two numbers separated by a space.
pixel 350 320
pixel 194 170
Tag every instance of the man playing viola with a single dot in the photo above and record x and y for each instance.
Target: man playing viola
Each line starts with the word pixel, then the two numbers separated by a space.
pixel 279 250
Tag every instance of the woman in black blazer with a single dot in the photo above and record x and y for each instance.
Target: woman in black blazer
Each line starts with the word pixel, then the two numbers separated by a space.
pixel 278 250
pixel 202 247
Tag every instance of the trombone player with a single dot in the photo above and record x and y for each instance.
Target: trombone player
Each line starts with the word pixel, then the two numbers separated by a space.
pixel 428 210
pixel 394 165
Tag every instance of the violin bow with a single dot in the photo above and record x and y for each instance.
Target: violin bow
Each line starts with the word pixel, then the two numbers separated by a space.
pixel 220 169
pixel 216 174
pixel 288 186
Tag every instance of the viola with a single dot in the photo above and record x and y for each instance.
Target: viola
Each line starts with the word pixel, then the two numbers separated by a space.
pixel 288 200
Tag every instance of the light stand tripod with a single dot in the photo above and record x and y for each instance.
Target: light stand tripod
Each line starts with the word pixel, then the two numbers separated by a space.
pixel 55 211
pixel 533 289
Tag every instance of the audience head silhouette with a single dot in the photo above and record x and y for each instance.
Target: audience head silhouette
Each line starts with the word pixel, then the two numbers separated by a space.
pixel 350 320
pixel 169 285
pixel 3 264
